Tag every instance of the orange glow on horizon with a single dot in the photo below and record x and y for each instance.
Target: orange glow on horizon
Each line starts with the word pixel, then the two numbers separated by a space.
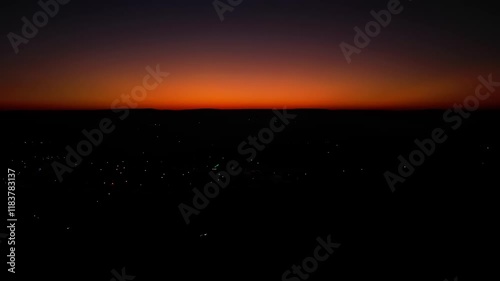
pixel 230 81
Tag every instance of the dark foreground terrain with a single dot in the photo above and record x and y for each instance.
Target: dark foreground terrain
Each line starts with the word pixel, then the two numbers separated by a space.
pixel 322 175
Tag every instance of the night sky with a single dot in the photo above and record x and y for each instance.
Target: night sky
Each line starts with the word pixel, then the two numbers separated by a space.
pixel 264 54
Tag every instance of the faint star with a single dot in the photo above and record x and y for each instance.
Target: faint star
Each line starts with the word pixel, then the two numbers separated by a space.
pixel 3 235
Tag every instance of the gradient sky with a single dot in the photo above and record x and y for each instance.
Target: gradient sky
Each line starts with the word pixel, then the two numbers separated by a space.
pixel 265 54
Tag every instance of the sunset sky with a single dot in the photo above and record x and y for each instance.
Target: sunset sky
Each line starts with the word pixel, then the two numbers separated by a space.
pixel 264 54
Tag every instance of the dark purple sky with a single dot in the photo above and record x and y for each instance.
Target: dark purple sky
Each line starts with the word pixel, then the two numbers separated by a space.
pixel 264 54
